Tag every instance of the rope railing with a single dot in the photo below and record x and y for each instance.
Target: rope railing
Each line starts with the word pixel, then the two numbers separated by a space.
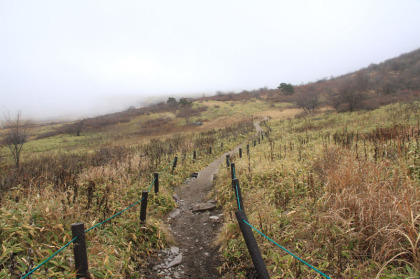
pixel 95 226
pixel 250 240
pixel 287 251
pixel 173 163
pixel 144 198
pixel 49 258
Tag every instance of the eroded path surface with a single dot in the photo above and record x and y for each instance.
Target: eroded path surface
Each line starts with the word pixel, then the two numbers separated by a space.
pixel 194 224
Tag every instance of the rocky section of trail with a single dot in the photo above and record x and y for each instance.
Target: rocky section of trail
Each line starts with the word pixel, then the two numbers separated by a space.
pixel 194 224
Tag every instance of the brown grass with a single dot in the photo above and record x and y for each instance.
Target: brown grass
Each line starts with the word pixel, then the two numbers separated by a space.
pixel 377 208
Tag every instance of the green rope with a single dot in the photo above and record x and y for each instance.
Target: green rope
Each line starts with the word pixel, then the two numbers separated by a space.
pixel 52 256
pixel 113 216
pixel 167 167
pixel 88 230
pixel 284 249
pixel 236 189
pixel 237 196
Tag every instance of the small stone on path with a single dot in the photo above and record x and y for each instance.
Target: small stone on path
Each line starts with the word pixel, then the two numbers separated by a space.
pixel 214 218
pixel 203 207
pixel 176 261
pixel 174 250
pixel 175 213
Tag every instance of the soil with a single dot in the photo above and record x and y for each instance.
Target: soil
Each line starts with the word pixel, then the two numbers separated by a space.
pixel 194 225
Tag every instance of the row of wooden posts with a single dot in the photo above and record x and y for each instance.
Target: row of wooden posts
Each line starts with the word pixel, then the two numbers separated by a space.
pixel 78 229
pixel 246 231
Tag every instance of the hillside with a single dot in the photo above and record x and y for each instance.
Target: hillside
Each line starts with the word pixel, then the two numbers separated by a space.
pixel 338 190
pixel 394 80
pixel 334 177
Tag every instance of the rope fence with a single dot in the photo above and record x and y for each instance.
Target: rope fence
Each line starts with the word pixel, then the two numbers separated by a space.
pixel 247 232
pixel 246 228
pixel 99 224
pixel 143 200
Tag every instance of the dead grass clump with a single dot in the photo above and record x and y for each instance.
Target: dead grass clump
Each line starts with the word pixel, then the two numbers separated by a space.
pixel 397 131
pixel 375 205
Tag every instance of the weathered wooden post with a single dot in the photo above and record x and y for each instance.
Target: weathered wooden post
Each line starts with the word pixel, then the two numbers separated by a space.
pixel 156 175
pixel 210 150
pixel 227 160
pixel 79 251
pixel 240 152
pixel 247 150
pixel 252 246
pixel 232 170
pixel 255 143
pixel 174 165
pixel 143 207
pixel 194 155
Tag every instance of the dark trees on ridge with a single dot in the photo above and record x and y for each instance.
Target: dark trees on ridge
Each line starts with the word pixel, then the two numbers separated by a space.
pixel 286 88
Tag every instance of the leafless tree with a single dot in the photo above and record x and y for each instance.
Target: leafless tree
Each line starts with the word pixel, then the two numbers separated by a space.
pixel 349 95
pixel 78 126
pixel 15 135
pixel 187 112
pixel 308 99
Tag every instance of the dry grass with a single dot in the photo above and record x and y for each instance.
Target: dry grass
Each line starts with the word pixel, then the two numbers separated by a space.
pixel 376 206
pixel 339 190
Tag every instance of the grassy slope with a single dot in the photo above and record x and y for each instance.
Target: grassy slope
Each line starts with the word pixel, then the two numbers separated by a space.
pixel 313 188
pixel 288 179
pixel 68 179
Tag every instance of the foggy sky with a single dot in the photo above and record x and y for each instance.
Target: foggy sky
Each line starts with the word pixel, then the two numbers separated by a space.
pixel 61 58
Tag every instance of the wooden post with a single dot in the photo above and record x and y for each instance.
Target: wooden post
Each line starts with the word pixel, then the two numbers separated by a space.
pixel 252 246
pixel 174 165
pixel 247 150
pixel 232 170
pixel 143 207
pixel 237 191
pixel 156 175
pixel 210 150
pixel 255 143
pixel 240 152
pixel 79 251
pixel 194 155
pixel 227 160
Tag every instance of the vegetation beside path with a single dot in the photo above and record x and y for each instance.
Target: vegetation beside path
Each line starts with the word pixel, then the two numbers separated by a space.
pixel 340 190
pixel 41 200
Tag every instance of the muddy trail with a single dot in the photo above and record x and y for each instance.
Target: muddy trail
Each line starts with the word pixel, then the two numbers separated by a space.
pixel 194 225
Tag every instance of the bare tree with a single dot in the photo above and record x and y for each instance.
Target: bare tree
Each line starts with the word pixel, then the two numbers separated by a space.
pixel 187 112
pixel 15 135
pixel 349 95
pixel 308 99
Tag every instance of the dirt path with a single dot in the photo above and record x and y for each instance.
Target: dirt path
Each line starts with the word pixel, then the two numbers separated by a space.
pixel 194 224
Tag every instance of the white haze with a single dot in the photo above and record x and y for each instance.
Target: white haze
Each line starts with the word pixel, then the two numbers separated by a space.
pixel 62 58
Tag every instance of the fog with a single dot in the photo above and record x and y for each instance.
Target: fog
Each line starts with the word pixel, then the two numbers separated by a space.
pixel 80 58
